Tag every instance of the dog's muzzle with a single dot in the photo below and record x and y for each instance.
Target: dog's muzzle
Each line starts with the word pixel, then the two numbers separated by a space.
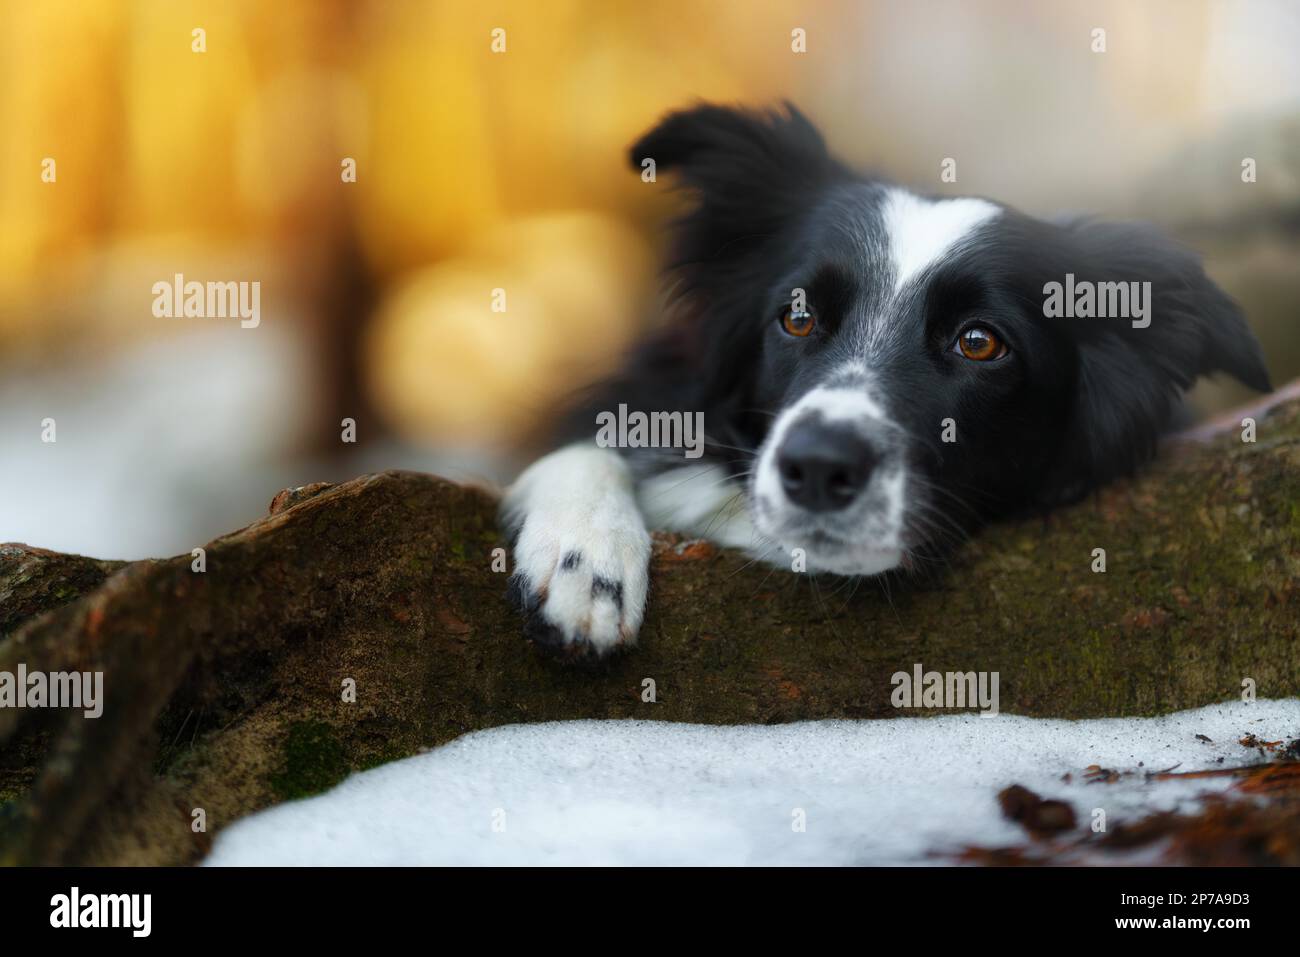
pixel 831 481
pixel 823 466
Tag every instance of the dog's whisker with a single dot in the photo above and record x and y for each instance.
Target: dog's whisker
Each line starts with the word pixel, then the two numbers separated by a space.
pixel 754 561
pixel 700 473
pixel 855 455
pixel 728 506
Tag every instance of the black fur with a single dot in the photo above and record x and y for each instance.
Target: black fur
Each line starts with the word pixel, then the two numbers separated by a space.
pixel 1076 403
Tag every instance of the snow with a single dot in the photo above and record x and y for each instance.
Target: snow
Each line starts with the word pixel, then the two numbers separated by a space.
pixel 893 791
pixel 166 444
pixel 159 447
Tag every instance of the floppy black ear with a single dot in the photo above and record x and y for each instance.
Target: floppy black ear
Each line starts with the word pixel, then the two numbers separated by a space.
pixel 1133 370
pixel 722 150
pixel 754 175
pixel 751 171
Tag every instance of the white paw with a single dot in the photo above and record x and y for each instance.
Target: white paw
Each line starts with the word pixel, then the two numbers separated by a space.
pixel 582 552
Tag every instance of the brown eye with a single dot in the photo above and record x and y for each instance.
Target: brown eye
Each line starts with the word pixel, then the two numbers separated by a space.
pixel 797 323
pixel 980 344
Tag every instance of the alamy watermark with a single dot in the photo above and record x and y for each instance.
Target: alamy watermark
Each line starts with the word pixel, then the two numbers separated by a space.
pixel 211 300
pixel 1098 300
pixel 652 430
pixel 956 690
pixel 130 911
pixel 56 689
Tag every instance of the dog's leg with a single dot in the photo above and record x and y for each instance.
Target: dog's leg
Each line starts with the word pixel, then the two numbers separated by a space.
pixel 581 550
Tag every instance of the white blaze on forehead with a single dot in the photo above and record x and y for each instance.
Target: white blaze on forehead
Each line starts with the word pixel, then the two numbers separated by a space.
pixel 833 403
pixel 921 231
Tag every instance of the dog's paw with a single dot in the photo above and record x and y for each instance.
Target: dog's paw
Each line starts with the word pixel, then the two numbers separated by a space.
pixel 581 554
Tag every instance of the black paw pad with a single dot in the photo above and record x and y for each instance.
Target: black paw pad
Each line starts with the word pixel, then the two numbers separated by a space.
pixel 608 588
pixel 521 594
pixel 549 640
pixel 544 635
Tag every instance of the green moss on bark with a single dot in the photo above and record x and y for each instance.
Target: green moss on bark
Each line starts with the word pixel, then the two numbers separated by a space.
pixel 224 689
pixel 313 761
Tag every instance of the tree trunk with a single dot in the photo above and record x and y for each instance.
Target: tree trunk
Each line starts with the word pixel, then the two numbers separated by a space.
pixel 225 690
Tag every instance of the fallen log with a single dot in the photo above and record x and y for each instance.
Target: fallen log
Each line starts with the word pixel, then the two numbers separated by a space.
pixel 366 621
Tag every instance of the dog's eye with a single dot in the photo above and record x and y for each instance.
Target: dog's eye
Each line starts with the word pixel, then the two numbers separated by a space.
pixel 797 323
pixel 980 344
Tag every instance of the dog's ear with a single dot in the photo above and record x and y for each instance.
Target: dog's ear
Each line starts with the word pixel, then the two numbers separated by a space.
pixel 750 170
pixel 754 176
pixel 721 151
pixel 1132 370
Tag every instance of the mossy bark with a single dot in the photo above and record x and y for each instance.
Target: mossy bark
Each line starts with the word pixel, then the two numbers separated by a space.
pixel 224 690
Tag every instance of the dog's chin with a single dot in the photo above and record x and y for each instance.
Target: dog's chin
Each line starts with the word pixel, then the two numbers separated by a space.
pixel 840 551
pixel 855 560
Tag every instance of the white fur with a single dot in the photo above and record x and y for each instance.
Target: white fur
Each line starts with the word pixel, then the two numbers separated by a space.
pixel 580 499
pixel 699 500
pixel 922 231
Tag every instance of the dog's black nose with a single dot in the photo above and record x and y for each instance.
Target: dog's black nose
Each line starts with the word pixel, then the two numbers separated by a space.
pixel 823 468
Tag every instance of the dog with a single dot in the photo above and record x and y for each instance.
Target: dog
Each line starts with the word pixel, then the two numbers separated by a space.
pixel 879 373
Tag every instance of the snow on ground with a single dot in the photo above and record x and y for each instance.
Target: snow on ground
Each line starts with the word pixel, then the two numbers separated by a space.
pixel 166 444
pixel 159 447
pixel 891 791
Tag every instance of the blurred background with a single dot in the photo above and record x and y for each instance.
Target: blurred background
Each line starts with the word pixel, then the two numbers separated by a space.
pixel 479 170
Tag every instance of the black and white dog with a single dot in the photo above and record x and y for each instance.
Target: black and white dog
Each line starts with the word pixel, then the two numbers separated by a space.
pixel 879 373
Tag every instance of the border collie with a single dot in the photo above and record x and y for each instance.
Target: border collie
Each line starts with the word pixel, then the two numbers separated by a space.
pixel 879 373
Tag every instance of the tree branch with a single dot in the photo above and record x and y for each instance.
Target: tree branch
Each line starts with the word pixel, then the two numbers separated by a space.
pixel 224 690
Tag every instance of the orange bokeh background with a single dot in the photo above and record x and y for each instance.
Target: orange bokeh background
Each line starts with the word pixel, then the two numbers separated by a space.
pixel 479 170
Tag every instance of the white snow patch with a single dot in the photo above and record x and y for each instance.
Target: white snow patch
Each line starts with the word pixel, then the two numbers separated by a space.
pixel 894 791
pixel 159 447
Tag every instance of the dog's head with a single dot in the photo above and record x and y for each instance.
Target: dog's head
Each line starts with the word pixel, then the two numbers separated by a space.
pixel 900 364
